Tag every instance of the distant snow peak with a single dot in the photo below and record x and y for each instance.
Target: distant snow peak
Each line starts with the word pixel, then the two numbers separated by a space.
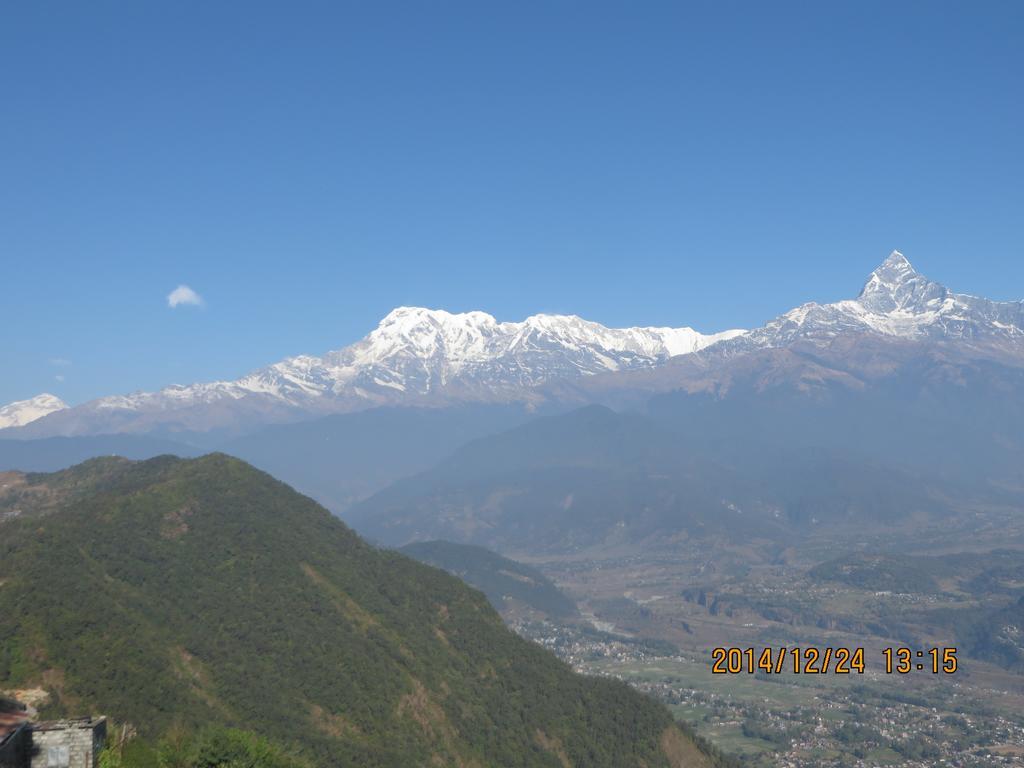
pixel 896 301
pixel 22 412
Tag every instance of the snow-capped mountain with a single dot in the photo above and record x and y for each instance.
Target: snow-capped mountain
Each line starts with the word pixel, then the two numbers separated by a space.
pixel 415 355
pixel 423 351
pixel 895 302
pixel 22 412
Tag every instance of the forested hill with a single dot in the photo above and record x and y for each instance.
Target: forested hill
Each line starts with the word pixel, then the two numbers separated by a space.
pixel 179 593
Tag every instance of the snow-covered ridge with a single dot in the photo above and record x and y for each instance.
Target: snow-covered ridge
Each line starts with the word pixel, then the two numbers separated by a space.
pixel 417 351
pixel 22 412
pixel 414 354
pixel 476 338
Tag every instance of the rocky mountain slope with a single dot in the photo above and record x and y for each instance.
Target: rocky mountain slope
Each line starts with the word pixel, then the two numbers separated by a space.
pixel 181 593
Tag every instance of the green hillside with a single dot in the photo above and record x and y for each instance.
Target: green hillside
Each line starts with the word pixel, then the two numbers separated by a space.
pixel 501 579
pixel 178 593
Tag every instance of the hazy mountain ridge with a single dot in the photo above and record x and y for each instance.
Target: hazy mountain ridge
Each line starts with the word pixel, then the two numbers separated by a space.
pixel 864 428
pixel 507 583
pixel 596 478
pixel 49 454
pixel 343 458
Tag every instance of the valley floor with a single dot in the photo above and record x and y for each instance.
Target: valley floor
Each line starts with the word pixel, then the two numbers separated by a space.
pixel 652 619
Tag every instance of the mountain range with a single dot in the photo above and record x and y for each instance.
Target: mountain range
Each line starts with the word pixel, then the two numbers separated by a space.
pixel 423 357
pixel 905 403
pixel 415 356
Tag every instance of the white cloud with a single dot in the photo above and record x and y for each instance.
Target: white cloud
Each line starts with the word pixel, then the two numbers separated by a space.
pixel 183 295
pixel 60 362
pixel 59 377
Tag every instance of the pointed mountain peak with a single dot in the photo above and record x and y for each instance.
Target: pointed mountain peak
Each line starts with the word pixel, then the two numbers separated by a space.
pixel 895 285
pixel 897 260
pixel 895 269
pixel 894 272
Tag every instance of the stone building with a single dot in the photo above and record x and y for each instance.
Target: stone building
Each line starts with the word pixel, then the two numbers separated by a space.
pixel 68 743
pixel 54 744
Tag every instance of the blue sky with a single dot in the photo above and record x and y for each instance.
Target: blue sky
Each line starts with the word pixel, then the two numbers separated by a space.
pixel 305 167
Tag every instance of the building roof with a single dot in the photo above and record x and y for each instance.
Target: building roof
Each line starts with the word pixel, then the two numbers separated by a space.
pixel 68 724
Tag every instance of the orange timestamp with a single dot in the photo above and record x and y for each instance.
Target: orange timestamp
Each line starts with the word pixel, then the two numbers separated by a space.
pixel 837 661
pixel 935 660
pixel 811 660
